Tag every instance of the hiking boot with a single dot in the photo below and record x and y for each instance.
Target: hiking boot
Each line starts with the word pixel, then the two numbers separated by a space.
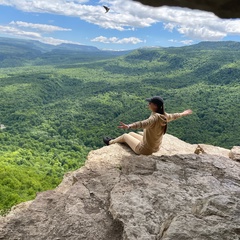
pixel 106 140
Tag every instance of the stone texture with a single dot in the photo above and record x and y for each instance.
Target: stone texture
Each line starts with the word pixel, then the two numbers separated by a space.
pixel 118 195
pixel 235 153
pixel 75 210
pixel 172 145
pixel 222 8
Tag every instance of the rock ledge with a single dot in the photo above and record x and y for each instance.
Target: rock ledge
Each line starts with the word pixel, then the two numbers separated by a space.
pixel 118 195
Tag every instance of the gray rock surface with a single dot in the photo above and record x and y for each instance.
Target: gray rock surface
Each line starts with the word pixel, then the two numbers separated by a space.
pixel 172 145
pixel 118 195
pixel 235 153
pixel 213 150
pixel 222 8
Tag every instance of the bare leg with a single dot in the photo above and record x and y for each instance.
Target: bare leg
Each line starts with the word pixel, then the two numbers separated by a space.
pixel 131 141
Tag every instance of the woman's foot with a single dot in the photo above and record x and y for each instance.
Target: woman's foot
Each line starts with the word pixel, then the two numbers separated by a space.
pixel 106 140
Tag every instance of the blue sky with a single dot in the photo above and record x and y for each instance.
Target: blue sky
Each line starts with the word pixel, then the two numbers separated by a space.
pixel 127 25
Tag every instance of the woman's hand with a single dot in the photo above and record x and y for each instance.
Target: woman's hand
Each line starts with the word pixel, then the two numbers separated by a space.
pixel 187 112
pixel 123 126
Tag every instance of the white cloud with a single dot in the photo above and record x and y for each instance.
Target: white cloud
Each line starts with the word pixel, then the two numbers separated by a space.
pixel 55 41
pixel 129 15
pixel 169 26
pixel 39 27
pixel 23 30
pixel 9 30
pixel 201 33
pixel 187 42
pixel 201 25
pixel 101 39
pixel 121 15
pixel 130 40
pixel 17 32
pixel 173 40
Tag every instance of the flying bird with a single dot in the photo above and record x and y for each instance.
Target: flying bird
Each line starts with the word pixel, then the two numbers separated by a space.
pixel 106 8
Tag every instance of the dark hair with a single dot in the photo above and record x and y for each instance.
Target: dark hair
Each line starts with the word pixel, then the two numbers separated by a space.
pixel 160 110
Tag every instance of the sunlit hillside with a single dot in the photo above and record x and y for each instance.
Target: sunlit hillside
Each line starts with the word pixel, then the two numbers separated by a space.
pixel 58 103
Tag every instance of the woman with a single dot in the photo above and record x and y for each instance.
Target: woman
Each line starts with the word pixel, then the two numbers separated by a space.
pixel 154 129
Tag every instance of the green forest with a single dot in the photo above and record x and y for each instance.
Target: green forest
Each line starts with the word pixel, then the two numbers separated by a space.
pixel 57 104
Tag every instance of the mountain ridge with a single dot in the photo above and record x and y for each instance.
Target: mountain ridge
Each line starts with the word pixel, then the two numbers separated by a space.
pixel 45 47
pixel 16 52
pixel 22 52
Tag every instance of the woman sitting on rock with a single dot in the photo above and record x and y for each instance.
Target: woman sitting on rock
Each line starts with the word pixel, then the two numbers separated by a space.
pixel 154 129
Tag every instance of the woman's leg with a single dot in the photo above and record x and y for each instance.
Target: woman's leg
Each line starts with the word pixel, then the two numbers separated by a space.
pixel 137 136
pixel 131 141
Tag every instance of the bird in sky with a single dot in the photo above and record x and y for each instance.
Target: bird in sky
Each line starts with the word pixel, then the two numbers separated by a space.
pixel 106 8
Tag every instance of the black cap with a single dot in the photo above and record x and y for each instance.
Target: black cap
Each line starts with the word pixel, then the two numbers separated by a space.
pixel 156 100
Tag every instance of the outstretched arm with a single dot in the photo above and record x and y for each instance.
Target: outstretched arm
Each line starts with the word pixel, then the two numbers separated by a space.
pixel 174 116
pixel 145 123
pixel 124 126
pixel 186 112
pixel 140 124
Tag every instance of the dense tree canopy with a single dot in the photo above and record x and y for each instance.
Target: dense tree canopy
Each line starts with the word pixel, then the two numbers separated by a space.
pixel 56 111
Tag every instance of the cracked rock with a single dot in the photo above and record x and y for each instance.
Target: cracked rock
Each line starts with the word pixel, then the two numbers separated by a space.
pixel 118 195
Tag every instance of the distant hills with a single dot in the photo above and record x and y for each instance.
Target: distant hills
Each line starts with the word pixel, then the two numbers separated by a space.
pixel 21 52
pixel 43 47
pixel 223 45
pixel 76 47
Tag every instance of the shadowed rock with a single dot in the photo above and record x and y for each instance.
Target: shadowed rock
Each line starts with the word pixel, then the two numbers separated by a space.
pixel 222 8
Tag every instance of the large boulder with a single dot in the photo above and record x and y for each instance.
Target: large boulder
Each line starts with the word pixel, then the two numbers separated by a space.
pixel 172 145
pixel 118 195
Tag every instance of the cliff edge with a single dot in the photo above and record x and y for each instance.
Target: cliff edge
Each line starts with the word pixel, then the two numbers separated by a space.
pixel 191 192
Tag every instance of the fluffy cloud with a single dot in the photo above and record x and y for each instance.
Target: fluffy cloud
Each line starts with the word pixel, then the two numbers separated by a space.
pixel 185 42
pixel 130 40
pixel 14 31
pixel 173 40
pixel 55 41
pixel 39 27
pixel 18 32
pixel 201 33
pixel 128 15
pixel 117 17
pixel 169 26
